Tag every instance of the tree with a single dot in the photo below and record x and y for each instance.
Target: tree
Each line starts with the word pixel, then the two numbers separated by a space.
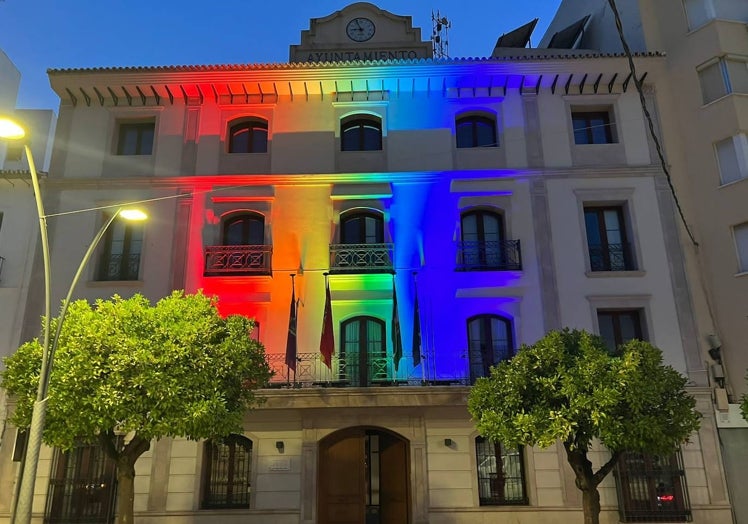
pixel 176 369
pixel 744 404
pixel 568 387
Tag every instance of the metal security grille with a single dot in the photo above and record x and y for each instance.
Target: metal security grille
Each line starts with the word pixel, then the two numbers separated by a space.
pixel 652 488
pixel 82 487
pixel 501 473
pixel 227 473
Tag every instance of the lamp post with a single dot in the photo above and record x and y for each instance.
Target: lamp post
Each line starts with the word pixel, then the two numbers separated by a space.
pixel 22 514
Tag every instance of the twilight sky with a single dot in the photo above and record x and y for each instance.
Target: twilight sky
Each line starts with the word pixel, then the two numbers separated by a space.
pixel 41 34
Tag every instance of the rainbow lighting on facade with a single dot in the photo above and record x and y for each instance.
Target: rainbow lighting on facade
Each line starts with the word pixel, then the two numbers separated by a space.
pixel 455 209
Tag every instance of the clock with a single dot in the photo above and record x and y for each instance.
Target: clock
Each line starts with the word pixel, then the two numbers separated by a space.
pixel 360 29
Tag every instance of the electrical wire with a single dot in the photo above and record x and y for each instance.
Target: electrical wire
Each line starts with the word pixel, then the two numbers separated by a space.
pixel 648 116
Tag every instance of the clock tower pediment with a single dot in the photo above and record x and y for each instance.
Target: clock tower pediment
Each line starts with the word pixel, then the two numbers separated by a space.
pixel 360 31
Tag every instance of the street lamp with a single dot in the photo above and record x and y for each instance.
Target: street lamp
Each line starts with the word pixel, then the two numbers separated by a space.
pixel 10 130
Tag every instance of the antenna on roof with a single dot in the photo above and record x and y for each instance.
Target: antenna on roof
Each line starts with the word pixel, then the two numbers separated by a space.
pixel 440 35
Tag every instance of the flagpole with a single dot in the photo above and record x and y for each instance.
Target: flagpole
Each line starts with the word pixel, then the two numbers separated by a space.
pixel 417 325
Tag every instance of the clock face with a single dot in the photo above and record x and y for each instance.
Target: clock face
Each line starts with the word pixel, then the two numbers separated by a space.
pixel 360 29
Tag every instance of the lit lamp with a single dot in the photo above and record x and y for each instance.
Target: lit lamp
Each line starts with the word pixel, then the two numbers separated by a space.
pixel 10 130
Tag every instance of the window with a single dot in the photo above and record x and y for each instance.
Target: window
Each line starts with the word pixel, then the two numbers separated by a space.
pixel 592 127
pixel 489 342
pixel 483 246
pixel 722 77
pixel 243 250
pixel 732 158
pixel 476 131
pixel 619 326
pixel 363 351
pixel 362 227
pixel 741 243
pixel 82 487
pixel 120 258
pixel 652 488
pixel 362 248
pixel 501 473
pixel 607 244
pixel 136 138
pixel 701 11
pixel 361 133
pixel 227 473
pixel 244 230
pixel 250 136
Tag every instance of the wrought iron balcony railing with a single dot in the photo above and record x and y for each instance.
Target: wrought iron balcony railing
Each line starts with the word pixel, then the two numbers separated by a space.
pixel 350 370
pixel 120 267
pixel 361 258
pixel 238 260
pixel 475 255
pixel 611 257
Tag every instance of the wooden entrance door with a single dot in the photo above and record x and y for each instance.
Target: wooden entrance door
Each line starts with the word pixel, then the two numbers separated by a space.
pixel 363 478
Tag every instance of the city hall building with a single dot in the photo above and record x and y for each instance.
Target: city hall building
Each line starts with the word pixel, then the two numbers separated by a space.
pixel 444 211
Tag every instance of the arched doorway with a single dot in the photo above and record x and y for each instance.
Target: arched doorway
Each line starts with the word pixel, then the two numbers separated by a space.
pixel 363 478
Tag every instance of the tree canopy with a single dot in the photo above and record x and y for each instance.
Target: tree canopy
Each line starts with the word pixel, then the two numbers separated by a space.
pixel 567 387
pixel 122 366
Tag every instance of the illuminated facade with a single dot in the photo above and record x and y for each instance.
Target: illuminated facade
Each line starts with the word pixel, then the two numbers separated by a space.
pixel 472 187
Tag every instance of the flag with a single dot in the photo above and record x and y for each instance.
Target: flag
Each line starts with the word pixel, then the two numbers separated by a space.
pixel 327 343
pixel 416 332
pixel 291 340
pixel 397 343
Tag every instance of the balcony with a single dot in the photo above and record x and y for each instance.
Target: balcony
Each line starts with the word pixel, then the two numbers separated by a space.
pixel 238 260
pixel 361 258
pixel 611 257
pixel 119 267
pixel 376 371
pixel 476 255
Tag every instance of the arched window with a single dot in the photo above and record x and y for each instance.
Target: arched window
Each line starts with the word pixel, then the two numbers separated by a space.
pixel 227 472
pixel 362 227
pixel 363 352
pixel 246 229
pixel 482 244
pixel 489 342
pixel 249 136
pixel 476 131
pixel 361 133
pixel 501 473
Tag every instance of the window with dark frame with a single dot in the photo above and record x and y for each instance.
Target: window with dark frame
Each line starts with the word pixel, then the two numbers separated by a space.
pixel 489 342
pixel 249 136
pixel 82 487
pixel 363 351
pixel 501 473
pixel 120 256
pixel 618 326
pixel 362 227
pixel 136 138
pixel 592 127
pixel 476 131
pixel 652 488
pixel 227 473
pixel 482 245
pixel 607 241
pixel 361 133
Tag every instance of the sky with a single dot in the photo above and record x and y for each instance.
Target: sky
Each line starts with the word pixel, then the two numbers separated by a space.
pixel 61 34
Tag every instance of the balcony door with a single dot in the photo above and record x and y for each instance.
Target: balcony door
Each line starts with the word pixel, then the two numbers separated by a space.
pixel 244 230
pixel 362 228
pixel 489 342
pixel 482 238
pixel 363 351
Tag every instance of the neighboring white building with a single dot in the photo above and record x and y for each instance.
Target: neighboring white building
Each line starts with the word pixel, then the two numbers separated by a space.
pixel 703 110
pixel 512 195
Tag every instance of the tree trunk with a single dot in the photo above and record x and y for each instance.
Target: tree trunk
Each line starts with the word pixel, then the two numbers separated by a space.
pixel 591 506
pixel 125 490
pixel 586 482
